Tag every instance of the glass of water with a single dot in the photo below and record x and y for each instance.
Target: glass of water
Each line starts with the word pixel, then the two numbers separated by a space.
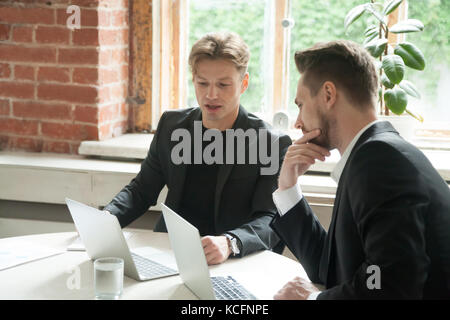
pixel 108 278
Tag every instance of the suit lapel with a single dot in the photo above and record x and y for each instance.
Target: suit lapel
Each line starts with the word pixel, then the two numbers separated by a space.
pixel 179 171
pixel 324 272
pixel 376 128
pixel 179 175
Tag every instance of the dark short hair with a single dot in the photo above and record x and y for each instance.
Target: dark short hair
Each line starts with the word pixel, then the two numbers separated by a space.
pixel 348 65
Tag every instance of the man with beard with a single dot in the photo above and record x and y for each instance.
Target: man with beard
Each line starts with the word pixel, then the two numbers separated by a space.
pixel 389 234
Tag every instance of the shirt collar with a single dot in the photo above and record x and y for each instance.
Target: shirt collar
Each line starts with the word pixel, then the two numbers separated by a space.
pixel 337 171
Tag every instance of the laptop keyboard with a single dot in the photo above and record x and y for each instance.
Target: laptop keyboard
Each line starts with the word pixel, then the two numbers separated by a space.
pixel 229 289
pixel 151 269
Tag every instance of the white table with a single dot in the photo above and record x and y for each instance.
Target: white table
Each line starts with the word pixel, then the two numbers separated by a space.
pixel 262 273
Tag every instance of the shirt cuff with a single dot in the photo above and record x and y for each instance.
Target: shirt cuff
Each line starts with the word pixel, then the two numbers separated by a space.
pixel 313 296
pixel 286 199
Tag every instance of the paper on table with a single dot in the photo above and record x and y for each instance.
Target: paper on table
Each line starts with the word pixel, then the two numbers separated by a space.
pixel 20 252
pixel 78 245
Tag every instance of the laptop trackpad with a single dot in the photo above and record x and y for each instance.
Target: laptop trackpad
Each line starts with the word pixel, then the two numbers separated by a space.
pixel 157 255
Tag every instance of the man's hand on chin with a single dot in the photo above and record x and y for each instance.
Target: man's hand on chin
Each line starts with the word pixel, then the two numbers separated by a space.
pixel 296 289
pixel 299 157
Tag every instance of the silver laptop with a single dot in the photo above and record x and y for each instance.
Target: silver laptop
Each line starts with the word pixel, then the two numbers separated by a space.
pixel 186 244
pixel 103 237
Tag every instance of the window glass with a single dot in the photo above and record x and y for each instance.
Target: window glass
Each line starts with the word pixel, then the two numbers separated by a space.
pixel 246 18
pixel 434 81
pixel 313 25
pixel 323 20
pixel 318 21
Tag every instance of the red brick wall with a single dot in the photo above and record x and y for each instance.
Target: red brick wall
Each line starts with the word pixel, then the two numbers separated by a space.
pixel 59 86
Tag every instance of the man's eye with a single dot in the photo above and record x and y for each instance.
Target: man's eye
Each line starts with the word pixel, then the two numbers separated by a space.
pixel 203 83
pixel 224 84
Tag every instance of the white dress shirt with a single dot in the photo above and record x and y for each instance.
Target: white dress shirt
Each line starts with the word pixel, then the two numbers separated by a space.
pixel 286 199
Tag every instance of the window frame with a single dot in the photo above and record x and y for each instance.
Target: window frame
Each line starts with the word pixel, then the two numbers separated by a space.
pixel 171 21
pixel 169 59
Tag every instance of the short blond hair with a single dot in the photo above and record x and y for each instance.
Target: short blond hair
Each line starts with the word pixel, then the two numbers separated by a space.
pixel 220 45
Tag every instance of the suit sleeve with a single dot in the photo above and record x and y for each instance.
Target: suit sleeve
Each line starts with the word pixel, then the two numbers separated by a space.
pixel 257 234
pixel 389 203
pixel 143 191
pixel 303 234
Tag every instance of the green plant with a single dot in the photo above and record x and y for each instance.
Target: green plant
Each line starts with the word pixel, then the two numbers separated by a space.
pixel 392 61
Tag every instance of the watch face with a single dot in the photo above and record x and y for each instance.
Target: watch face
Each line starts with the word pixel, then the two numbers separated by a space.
pixel 234 246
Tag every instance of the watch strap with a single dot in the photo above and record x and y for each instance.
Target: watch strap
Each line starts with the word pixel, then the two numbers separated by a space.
pixel 234 244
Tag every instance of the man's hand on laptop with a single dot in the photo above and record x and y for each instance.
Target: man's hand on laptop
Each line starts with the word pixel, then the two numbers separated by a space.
pixel 296 289
pixel 216 249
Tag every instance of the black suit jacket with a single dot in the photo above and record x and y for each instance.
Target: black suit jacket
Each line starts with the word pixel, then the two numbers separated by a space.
pixel 392 210
pixel 243 202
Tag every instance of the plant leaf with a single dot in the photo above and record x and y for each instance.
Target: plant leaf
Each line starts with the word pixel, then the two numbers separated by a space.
pixel 410 88
pixel 391 6
pixel 376 47
pixel 410 25
pixel 353 15
pixel 377 4
pixel 386 82
pixel 370 8
pixel 396 100
pixel 411 55
pixel 370 38
pixel 370 30
pixel 394 67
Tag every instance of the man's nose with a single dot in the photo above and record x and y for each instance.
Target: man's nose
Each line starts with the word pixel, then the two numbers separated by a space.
pixel 212 92
pixel 298 123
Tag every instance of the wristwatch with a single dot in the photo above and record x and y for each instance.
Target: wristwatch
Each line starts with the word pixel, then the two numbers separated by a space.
pixel 233 244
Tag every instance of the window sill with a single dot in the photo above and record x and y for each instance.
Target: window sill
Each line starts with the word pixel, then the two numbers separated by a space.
pixel 135 146
pixel 127 146
pixel 50 178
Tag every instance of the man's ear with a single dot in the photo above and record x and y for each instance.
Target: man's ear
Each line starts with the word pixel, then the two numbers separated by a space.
pixel 329 94
pixel 245 80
